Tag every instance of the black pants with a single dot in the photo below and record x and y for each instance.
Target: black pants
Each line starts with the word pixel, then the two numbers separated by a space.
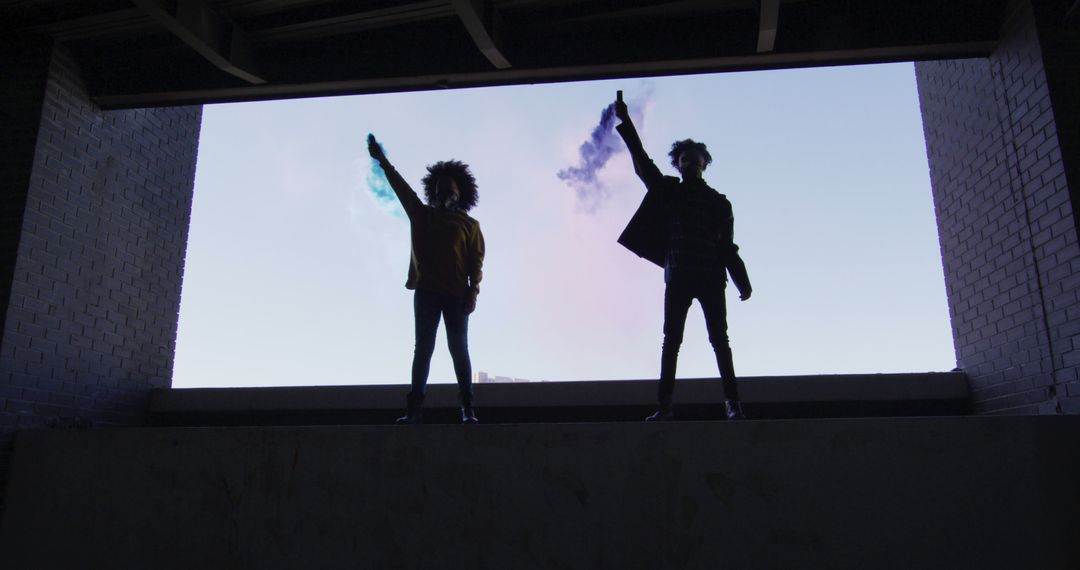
pixel 677 299
pixel 429 307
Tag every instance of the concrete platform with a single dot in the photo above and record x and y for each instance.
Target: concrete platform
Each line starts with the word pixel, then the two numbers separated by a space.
pixel 765 397
pixel 971 492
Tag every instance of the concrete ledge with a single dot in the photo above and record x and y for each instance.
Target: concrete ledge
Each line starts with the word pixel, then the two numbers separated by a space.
pixel 932 393
pixel 975 492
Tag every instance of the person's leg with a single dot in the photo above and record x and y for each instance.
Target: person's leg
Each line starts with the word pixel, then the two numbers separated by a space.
pixel 457 337
pixel 677 299
pixel 714 305
pixel 426 312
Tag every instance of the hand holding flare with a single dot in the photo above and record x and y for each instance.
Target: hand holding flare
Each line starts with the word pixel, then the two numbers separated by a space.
pixel 621 110
pixel 376 150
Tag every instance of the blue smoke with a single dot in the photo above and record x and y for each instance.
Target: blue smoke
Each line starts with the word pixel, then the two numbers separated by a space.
pixel 380 188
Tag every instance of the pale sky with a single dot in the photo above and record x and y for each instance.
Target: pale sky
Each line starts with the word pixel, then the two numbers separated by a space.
pixel 295 271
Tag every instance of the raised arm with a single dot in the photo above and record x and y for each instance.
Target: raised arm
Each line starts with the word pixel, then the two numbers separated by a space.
pixel 405 194
pixel 645 168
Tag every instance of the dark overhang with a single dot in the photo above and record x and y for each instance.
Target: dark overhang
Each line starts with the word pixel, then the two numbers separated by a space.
pixel 137 53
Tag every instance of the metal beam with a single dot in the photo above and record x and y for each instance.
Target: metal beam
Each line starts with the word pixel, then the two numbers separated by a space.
pixel 396 15
pixel 105 24
pixel 196 24
pixel 975 49
pixel 483 24
pixel 770 14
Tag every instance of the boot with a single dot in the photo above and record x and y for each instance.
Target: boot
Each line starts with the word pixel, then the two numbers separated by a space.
pixel 734 410
pixel 662 413
pixel 413 414
pixel 468 416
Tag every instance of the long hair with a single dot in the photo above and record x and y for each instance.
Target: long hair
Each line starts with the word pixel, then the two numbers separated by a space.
pixel 459 172
pixel 679 147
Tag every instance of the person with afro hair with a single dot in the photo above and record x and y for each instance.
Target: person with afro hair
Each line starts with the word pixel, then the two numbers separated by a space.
pixel 687 228
pixel 445 268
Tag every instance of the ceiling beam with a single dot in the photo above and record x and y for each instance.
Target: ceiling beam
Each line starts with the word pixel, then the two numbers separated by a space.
pixel 770 14
pixel 521 76
pixel 196 24
pixel 98 25
pixel 396 15
pixel 484 25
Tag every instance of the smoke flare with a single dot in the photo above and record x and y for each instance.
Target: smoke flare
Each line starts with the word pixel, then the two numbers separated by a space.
pixel 595 152
pixel 380 187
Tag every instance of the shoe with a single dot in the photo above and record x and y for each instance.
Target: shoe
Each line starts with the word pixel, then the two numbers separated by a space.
pixel 662 414
pixel 468 415
pixel 413 412
pixel 734 410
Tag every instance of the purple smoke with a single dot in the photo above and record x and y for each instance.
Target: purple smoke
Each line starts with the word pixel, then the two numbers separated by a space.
pixel 595 152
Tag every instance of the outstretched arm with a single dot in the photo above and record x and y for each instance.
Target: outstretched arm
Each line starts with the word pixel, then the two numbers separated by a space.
pixel 475 267
pixel 643 165
pixel 737 268
pixel 729 252
pixel 408 198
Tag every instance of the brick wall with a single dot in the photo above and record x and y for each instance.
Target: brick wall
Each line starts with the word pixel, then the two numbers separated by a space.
pixel 1006 224
pixel 91 320
pixel 1060 42
pixel 23 72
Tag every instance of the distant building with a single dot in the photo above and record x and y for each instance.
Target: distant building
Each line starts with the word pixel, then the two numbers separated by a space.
pixel 485 378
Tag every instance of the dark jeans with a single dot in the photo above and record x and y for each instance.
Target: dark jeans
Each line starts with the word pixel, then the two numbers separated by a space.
pixel 677 299
pixel 429 307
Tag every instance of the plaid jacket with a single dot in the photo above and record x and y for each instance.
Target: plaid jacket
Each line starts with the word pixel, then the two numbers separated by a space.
pixel 685 227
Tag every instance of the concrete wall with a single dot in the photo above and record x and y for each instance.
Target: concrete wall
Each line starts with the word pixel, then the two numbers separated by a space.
pixel 763 397
pixel 1006 222
pixel 98 205
pixel 976 492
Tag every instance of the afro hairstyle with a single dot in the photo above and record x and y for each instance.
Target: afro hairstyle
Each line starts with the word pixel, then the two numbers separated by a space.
pixel 679 147
pixel 459 172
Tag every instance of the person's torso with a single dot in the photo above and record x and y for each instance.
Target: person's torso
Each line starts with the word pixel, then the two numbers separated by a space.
pixel 693 217
pixel 440 249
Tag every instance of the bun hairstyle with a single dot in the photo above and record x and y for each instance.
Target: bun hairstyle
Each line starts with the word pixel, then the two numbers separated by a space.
pixel 459 172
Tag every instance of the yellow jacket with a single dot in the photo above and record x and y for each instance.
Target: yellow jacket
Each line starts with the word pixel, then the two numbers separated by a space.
pixel 447 252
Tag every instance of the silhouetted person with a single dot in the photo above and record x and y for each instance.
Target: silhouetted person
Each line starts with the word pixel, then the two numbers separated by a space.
pixel 444 270
pixel 687 228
